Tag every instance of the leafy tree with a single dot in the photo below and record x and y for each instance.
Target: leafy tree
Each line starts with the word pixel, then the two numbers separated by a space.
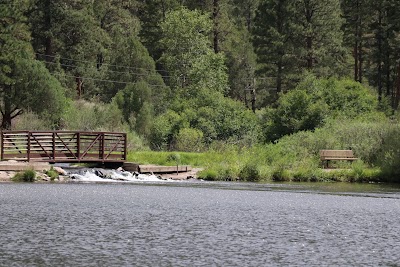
pixel 135 101
pixel 152 13
pixel 315 100
pixel 188 58
pixel 69 29
pixel 25 84
pixel 189 139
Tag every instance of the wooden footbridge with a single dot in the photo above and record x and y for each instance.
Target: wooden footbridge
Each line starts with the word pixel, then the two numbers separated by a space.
pixel 63 146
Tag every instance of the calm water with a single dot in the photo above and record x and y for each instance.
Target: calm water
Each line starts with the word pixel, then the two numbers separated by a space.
pixel 199 224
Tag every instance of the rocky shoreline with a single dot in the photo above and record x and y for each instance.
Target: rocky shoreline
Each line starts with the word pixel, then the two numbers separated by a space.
pixel 8 169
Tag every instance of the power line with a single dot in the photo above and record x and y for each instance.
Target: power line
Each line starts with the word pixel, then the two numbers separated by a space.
pixel 108 70
pixel 106 64
pixel 105 80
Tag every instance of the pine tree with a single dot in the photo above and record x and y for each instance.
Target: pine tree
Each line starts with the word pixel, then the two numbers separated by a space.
pixel 25 83
pixel 318 37
pixel 291 37
pixel 357 16
pixel 384 47
pixel 273 41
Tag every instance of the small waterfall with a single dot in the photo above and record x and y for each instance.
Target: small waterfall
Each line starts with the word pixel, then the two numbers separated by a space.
pixel 105 175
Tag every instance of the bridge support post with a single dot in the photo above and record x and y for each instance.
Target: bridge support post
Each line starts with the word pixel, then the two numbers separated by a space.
pixel 28 151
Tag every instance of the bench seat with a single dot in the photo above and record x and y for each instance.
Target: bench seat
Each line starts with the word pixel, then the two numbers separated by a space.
pixel 329 158
pixel 327 155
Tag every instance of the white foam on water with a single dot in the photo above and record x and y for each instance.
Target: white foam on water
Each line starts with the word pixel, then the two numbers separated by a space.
pixel 116 176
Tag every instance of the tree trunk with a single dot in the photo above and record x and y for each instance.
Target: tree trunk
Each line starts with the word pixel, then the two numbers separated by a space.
pixel 355 55
pixel 48 41
pixel 309 39
pixel 215 15
pixel 397 86
pixel 360 59
pixel 279 76
pixel 6 113
pixel 79 88
pixel 279 22
pixel 253 96
pixel 379 57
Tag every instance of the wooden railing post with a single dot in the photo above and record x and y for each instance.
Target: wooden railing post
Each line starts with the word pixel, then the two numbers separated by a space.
pixel 54 146
pixel 78 145
pixel 29 146
pixel 125 146
pixel 2 145
pixel 102 146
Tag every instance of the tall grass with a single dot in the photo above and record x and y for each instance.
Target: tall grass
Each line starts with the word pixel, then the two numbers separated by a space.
pixel 296 157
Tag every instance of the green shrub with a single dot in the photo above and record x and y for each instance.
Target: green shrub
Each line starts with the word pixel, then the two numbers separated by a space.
pixel 52 174
pixel 189 140
pixel 208 175
pixel 250 172
pixel 280 174
pixel 26 176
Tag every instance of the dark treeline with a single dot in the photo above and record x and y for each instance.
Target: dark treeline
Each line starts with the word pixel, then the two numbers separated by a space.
pixel 187 75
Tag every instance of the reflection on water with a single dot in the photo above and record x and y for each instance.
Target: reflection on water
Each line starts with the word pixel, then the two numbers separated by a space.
pixel 199 224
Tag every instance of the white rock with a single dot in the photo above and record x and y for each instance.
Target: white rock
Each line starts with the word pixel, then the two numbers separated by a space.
pixel 60 170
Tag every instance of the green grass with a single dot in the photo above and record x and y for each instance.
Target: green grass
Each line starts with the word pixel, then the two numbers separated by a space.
pixel 25 176
pixel 295 157
pixel 260 164
pixel 52 174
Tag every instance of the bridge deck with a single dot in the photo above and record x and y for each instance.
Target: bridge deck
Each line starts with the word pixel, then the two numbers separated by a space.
pixel 63 146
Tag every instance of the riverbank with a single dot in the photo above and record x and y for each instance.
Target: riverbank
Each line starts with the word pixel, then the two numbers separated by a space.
pixel 266 164
pixel 45 172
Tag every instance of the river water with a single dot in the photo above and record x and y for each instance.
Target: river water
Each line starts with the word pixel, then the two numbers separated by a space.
pixel 199 224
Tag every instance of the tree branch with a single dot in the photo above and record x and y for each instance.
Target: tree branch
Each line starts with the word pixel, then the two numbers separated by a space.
pixel 17 114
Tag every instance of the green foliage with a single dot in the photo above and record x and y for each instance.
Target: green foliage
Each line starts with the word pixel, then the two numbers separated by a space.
pixel 314 101
pixel 31 121
pixel 291 37
pixel 52 174
pixel 25 83
pixel 26 176
pixel 163 129
pixel 136 105
pixel 175 158
pixel 189 140
pixel 92 116
pixel 188 57
pixel 250 172
pixel 209 175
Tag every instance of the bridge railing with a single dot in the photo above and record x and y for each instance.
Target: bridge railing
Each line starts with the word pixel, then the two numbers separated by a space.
pixel 63 146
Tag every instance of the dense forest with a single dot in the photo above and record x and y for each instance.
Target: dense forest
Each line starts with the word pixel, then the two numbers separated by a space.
pixel 189 75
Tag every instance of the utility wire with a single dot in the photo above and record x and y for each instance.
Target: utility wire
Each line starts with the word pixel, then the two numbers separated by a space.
pixel 108 70
pixel 106 64
pixel 104 80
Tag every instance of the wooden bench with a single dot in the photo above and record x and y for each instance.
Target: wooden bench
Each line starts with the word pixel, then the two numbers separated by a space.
pixel 327 155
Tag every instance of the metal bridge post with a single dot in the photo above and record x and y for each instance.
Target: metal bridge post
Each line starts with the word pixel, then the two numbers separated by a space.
pixel 78 145
pixel 54 146
pixel 29 146
pixel 2 145
pixel 125 146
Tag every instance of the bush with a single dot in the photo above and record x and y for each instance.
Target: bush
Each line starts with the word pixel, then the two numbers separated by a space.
pixel 92 116
pixel 189 140
pixel 26 176
pixel 250 172
pixel 314 101
pixel 52 174
pixel 209 175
